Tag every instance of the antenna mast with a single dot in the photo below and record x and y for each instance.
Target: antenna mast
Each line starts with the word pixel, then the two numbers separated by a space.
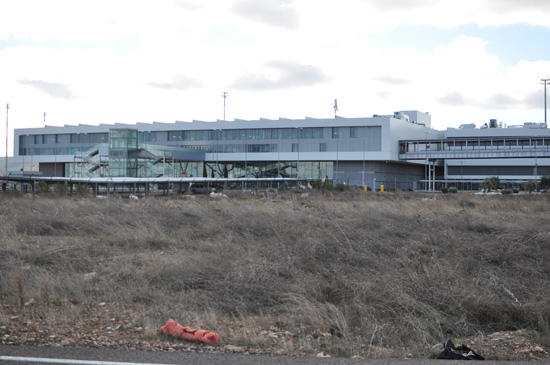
pixel 224 96
pixel 335 107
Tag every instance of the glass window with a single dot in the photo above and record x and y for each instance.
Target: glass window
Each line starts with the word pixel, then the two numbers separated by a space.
pixel 295 147
pixel 174 136
pixel 259 133
pixel 37 139
pixel 44 139
pixel 147 137
pixel 258 148
pixel 285 133
pixel 335 132
pixel 322 147
pixel 215 135
pixel 97 138
pixel 196 135
pixel 353 132
pixel 234 134
pixel 316 132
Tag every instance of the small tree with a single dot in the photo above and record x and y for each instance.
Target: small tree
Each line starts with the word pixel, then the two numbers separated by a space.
pixel 82 189
pixel 340 187
pixel 490 183
pixel 495 181
pixel 42 187
pixel 544 182
pixel 61 189
pixel 530 186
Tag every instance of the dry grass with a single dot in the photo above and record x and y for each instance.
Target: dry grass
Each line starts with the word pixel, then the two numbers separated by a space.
pixel 389 271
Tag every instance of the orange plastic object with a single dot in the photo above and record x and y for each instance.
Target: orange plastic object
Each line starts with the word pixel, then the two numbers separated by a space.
pixel 175 329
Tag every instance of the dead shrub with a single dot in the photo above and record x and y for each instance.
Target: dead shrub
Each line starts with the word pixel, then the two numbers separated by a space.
pixel 386 270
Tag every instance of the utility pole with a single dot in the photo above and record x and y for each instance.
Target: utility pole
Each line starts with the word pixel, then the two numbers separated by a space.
pixel 224 96
pixel 426 168
pixel 545 82
pixel 335 107
pixel 363 174
pixel 298 135
pixel 7 111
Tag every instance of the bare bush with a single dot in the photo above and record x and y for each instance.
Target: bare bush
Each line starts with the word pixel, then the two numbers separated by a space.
pixel 390 271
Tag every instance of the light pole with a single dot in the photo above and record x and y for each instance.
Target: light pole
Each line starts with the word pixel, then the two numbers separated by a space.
pixel 246 156
pixel 426 171
pixel 298 132
pixel 536 172
pixel 278 158
pixel 55 160
pixel 224 96
pixel 363 174
pixel 545 82
pixel 217 137
pixel 7 112
pixel 461 176
pixel 337 157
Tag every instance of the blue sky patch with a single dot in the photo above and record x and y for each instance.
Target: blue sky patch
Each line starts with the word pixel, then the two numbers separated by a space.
pixel 511 43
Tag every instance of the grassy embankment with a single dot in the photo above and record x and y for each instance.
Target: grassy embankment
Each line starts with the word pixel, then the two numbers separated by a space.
pixel 388 271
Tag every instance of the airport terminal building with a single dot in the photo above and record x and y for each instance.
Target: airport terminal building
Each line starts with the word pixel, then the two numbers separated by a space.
pixel 400 150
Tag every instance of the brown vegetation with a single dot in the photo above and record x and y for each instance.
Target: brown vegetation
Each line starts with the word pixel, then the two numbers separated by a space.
pixel 378 271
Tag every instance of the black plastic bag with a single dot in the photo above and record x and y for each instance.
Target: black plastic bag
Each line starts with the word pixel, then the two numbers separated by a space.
pixel 461 352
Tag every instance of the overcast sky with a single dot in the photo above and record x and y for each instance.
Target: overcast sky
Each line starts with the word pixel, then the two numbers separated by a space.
pixel 91 62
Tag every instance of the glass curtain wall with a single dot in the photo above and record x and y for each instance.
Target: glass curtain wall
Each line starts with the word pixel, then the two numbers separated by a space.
pixel 123 152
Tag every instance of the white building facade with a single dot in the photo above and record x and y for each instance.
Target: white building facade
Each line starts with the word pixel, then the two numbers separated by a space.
pixel 399 151
pixel 360 151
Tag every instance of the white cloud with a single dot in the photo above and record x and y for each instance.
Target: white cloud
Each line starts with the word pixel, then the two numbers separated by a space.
pixel 53 89
pixel 178 82
pixel 277 13
pixel 513 6
pixel 285 74
pixel 452 99
pixel 392 81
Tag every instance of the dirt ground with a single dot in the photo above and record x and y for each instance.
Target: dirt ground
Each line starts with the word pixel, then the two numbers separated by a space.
pixel 108 327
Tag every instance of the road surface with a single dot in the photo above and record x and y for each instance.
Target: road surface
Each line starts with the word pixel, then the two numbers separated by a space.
pixel 22 355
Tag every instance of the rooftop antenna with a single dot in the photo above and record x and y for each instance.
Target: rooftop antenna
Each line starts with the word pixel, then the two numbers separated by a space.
pixel 545 82
pixel 224 96
pixel 335 107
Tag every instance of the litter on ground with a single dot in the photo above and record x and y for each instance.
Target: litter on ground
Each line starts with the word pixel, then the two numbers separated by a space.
pixel 175 329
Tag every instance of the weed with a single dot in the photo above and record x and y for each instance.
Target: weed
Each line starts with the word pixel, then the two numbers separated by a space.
pixel 387 270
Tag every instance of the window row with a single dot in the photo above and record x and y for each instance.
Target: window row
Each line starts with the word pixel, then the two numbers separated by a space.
pixel 74 138
pixel 245 134
pixel 46 138
pixel 90 138
pixel 51 151
pixel 199 135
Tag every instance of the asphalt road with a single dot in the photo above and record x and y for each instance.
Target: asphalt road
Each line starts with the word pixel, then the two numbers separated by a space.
pixel 8 355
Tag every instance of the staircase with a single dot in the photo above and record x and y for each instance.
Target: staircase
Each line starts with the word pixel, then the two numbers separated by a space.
pixel 92 158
